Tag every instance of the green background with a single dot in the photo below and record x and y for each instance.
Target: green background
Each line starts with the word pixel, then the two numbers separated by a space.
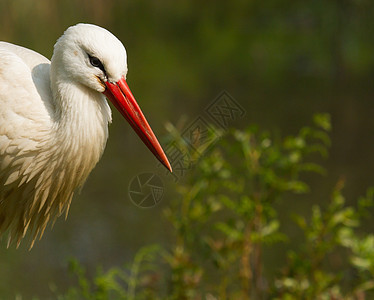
pixel 282 61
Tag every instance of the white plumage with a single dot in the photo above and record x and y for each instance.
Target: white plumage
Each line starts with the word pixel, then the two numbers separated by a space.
pixel 54 123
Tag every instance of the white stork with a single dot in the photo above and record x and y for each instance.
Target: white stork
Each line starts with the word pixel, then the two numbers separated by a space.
pixel 54 123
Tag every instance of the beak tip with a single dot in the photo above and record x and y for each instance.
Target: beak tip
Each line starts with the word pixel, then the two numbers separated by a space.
pixel 167 165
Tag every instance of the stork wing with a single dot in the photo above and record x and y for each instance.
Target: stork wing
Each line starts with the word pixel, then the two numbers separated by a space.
pixel 25 115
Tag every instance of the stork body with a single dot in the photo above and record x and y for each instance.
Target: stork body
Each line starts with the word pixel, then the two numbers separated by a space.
pixel 54 123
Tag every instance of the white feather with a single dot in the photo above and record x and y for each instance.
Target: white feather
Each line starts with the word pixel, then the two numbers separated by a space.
pixel 53 125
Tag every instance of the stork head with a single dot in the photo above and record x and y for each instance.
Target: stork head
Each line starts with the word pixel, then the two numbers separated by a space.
pixel 94 57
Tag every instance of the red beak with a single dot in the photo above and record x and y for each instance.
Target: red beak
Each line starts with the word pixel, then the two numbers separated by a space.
pixel 120 95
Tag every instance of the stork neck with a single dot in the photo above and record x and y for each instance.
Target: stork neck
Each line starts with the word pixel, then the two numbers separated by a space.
pixel 79 111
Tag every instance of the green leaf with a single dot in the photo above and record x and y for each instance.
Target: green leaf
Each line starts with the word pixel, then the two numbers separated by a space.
pixel 230 231
pixel 323 121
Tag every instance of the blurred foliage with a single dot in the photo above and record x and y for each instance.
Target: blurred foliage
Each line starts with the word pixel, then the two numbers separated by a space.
pixel 110 285
pixel 224 218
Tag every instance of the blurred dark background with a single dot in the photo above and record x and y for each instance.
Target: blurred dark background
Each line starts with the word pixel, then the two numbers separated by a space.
pixel 282 61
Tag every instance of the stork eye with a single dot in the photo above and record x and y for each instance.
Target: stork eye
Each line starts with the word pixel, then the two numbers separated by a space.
pixel 95 62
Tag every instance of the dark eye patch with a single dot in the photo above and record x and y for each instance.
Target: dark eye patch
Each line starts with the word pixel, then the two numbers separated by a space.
pixel 95 62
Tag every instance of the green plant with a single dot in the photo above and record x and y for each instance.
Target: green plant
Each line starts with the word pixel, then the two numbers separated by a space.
pixel 225 217
pixel 322 268
pixel 134 281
